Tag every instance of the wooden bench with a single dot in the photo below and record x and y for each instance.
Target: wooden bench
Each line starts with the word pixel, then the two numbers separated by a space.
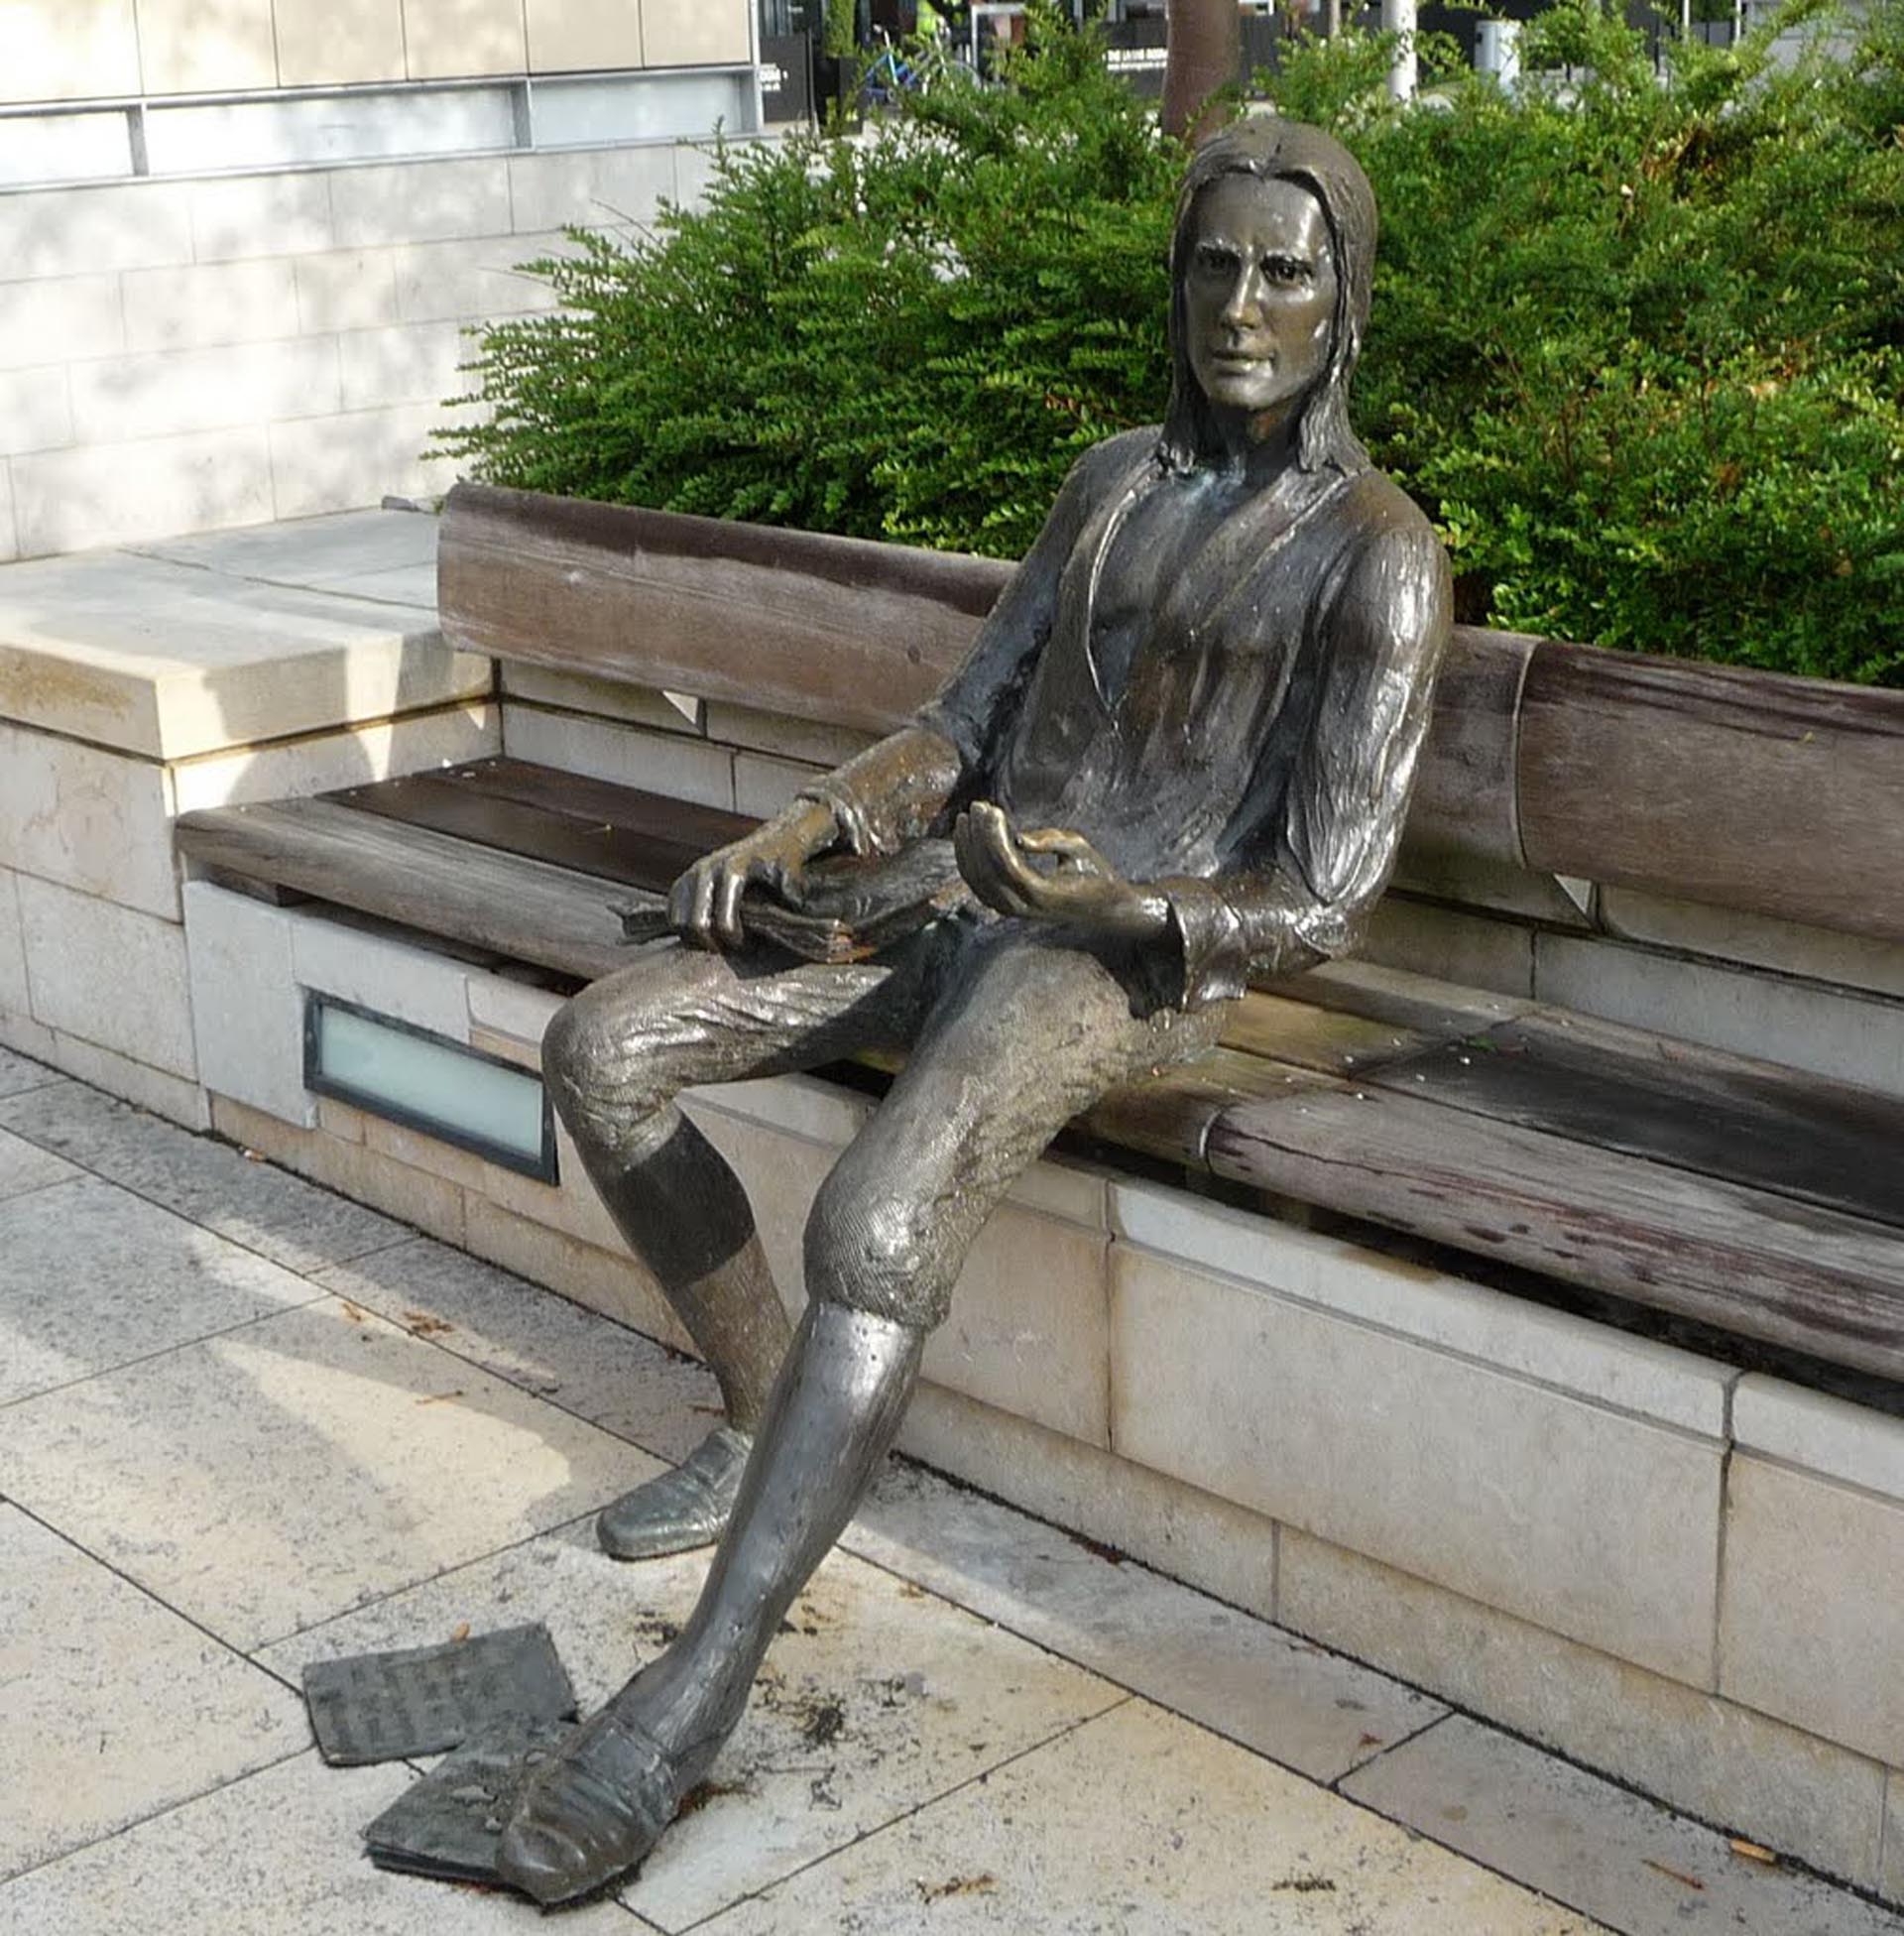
pixel 1744 1195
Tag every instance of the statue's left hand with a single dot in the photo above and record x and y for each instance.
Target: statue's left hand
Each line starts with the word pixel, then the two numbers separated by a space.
pixel 1081 889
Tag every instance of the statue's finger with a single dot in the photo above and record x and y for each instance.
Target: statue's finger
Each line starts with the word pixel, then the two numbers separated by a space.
pixel 726 912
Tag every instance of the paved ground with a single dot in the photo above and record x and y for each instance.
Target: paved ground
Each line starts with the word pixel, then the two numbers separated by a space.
pixel 245 1424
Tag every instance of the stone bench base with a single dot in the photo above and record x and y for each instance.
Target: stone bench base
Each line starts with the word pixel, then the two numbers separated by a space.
pixel 1684 1577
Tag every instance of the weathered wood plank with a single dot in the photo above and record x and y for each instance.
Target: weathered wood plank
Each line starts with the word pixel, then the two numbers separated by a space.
pixel 1171 1116
pixel 641 839
pixel 1466 791
pixel 844 631
pixel 520 907
pixel 1752 1122
pixel 832 628
pixel 1781 796
pixel 1811 1279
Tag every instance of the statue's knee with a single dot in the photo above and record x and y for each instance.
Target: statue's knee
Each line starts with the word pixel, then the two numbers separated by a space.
pixel 593 1065
pixel 869 1246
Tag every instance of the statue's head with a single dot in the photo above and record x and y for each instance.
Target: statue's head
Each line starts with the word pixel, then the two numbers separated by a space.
pixel 1270 264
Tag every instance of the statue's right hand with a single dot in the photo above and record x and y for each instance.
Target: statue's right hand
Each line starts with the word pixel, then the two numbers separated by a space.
pixel 704 905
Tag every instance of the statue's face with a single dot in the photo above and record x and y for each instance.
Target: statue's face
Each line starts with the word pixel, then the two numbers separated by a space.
pixel 1258 294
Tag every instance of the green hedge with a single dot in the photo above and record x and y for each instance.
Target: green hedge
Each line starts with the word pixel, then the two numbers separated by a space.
pixel 1639 346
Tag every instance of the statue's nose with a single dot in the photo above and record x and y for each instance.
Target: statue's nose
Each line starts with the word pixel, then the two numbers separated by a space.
pixel 1244 304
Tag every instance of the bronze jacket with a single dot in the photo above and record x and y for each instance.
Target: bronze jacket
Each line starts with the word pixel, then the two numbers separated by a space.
pixel 1252 754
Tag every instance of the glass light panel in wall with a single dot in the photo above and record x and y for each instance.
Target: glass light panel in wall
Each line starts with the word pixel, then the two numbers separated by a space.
pixel 640 107
pixel 351 127
pixel 65 148
pixel 426 1082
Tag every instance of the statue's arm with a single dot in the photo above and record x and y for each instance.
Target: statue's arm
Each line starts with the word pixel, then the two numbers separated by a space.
pixel 900 786
pixel 1348 795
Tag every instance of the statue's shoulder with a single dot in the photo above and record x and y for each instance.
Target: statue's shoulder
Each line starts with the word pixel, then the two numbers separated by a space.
pixel 1109 465
pixel 1396 571
pixel 1384 516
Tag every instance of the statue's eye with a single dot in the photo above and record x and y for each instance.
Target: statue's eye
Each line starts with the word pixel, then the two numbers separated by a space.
pixel 1215 260
pixel 1287 270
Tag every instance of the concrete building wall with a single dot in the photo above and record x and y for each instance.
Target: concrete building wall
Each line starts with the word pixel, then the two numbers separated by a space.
pixel 242 241
pixel 89 50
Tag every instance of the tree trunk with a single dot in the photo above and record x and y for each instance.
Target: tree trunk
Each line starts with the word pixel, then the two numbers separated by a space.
pixel 1201 60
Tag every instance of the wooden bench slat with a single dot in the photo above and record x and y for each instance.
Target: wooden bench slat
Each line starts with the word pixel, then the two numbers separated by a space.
pixel 419 877
pixel 1752 1122
pixel 843 631
pixel 1271 1109
pixel 1811 1279
pixel 731 612
pixel 639 839
pixel 1781 796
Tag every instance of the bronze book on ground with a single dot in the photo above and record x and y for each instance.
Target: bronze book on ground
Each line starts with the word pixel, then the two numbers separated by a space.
pixel 847 909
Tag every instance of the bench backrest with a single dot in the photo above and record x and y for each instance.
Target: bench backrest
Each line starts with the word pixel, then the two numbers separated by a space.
pixel 1742 789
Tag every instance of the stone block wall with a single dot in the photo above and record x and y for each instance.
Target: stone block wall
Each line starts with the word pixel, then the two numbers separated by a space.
pixel 134 689
pixel 185 355
pixel 80 49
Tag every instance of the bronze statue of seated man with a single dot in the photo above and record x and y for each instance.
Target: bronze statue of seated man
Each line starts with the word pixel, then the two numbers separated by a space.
pixel 1178 757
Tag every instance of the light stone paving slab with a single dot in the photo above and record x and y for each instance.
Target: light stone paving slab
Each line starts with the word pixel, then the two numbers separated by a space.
pixel 1759 940
pixel 1892 1877
pixel 280 1852
pixel 1852 1037
pixel 19 1074
pixel 443 736
pixel 25 1037
pixel 1598 1525
pixel 1813 1627
pixel 510 1007
pixel 634 705
pixel 1454 946
pixel 412 984
pixel 96 1277
pixel 594 187
pixel 162 658
pixel 1656 1381
pixel 1206 1542
pixel 108 974
pixel 676 764
pixel 114 1706
pixel 1144 1823
pixel 1772 1783
pixel 763 784
pixel 256 214
pixel 268 1479
pixel 613 1284
pixel 578 1359
pixel 346 289
pixel 779 733
pixel 15 997
pixel 1583 1841
pixel 1830 1436
pixel 1269 1690
pixel 113 493
pixel 875 1698
pixel 246 1011
pixel 255 1204
pixel 309 552
pixel 420 201
pixel 409 584
pixel 25 1166
pixel 359 1174
pixel 87 819
pixel 177 1099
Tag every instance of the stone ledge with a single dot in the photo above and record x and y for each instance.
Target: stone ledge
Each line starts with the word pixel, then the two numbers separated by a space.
pixel 170 657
